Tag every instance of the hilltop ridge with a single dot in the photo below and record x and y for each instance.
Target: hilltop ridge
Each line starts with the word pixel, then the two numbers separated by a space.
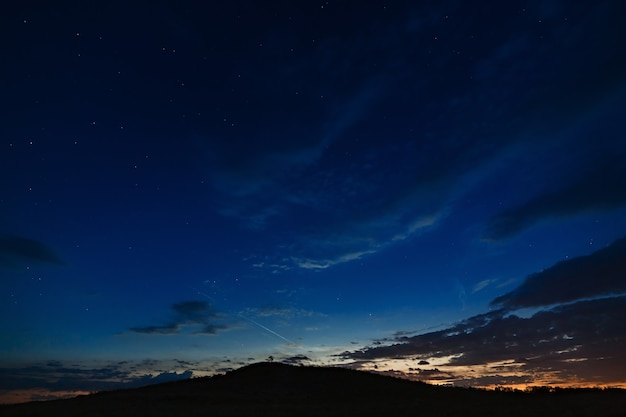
pixel 274 389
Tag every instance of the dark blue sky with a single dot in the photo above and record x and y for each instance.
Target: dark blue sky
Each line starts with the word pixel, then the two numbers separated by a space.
pixel 187 187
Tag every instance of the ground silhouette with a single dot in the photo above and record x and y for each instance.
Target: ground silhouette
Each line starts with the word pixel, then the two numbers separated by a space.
pixel 274 389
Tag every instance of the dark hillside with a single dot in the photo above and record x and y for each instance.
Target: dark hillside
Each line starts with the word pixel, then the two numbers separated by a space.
pixel 271 389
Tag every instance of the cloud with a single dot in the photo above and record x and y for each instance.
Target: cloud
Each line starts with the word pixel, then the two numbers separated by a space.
pixel 365 237
pixel 349 240
pixel 578 336
pixel 336 174
pixel 159 378
pixel 317 166
pixel 296 360
pixel 580 342
pixel 57 379
pixel 483 284
pixel 14 249
pixel 171 328
pixel 256 182
pixel 602 189
pixel 196 314
pixel 327 263
pixel 600 273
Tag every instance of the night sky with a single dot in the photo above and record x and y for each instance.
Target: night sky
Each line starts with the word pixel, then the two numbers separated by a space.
pixel 432 189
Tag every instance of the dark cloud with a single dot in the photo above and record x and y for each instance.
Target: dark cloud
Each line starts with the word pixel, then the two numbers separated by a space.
pixel 602 189
pixel 211 329
pixel 57 376
pixel 580 341
pixel 584 340
pixel 601 273
pixel 159 378
pixel 14 249
pixel 296 360
pixel 198 314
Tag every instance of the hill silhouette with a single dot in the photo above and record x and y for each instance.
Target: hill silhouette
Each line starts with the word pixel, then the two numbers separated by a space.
pixel 274 389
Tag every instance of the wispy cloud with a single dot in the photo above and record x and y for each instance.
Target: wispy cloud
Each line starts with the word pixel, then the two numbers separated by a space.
pixel 483 284
pixel 327 263
pixel 365 238
pixel 343 177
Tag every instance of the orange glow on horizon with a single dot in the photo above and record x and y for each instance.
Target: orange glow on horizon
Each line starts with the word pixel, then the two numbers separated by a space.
pixel 471 375
pixel 36 394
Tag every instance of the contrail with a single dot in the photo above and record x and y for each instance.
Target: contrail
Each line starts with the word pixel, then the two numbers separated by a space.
pixel 203 294
pixel 267 330
pixel 248 319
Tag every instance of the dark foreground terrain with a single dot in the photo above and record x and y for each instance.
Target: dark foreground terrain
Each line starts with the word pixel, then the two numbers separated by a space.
pixel 271 389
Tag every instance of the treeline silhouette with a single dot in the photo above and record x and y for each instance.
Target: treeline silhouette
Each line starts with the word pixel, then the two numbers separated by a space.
pixel 547 389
